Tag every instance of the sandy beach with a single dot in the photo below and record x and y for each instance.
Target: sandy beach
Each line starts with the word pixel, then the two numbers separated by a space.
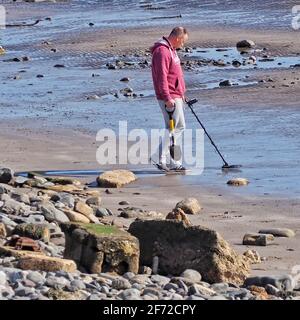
pixel 48 123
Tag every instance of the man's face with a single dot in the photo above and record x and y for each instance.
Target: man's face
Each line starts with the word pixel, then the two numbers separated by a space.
pixel 181 41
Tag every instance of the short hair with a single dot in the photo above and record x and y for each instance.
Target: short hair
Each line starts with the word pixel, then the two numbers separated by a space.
pixel 178 31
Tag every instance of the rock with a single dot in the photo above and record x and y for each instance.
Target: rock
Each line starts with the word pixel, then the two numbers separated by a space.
pixel 178 215
pixel 102 212
pixel 259 292
pixel 12 252
pixel 236 63
pixel 20 197
pixel 125 79
pixel 159 279
pixel 93 97
pixel 189 206
pixel 36 277
pixel 3 278
pixel 52 214
pixel 115 178
pixel 132 212
pixel 121 284
pixel 124 203
pixel 225 83
pixel 255 239
pixel 14 207
pixel 279 232
pixel 65 198
pixel 238 182
pixel 272 290
pixel 76 285
pixel 2 50
pixel 95 201
pixel 3 233
pixel 252 256
pixel 99 248
pixel 283 282
pixel 33 231
pixel 199 289
pixel 130 294
pixel 75 216
pixel 60 294
pixel 180 247
pixel 83 208
pixel 45 263
pixel 245 44
pixel 220 287
pixel 191 275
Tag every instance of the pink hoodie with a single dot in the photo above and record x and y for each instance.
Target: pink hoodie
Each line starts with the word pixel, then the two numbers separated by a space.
pixel 166 71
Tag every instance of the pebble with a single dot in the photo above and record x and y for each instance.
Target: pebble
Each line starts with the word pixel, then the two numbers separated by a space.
pixel 121 284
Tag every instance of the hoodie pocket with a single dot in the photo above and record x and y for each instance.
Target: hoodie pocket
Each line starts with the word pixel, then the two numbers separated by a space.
pixel 176 83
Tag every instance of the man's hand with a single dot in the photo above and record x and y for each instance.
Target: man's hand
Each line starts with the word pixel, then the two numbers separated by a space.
pixel 171 104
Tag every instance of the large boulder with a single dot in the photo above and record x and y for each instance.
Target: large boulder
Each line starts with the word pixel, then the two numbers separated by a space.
pixel 98 248
pixel 180 247
pixel 115 178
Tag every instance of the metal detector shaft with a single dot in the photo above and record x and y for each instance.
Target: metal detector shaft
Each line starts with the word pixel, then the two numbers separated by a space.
pixel 190 103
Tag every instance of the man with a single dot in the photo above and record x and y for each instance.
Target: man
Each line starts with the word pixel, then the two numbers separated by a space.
pixel 169 88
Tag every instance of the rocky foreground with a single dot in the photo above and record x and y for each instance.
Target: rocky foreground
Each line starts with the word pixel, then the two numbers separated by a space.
pixel 56 242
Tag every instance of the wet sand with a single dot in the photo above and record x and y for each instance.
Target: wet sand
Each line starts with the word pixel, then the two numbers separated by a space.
pixel 41 131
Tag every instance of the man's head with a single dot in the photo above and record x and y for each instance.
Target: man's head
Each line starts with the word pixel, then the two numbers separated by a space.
pixel 178 37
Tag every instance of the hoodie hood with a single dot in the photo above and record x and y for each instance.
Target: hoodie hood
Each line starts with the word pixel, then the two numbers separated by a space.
pixel 161 42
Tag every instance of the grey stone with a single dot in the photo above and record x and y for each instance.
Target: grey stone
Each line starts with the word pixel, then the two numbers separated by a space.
pixel 254 239
pixel 97 296
pixel 53 214
pixel 57 282
pixel 14 275
pixel 77 285
pixel 191 275
pixel 272 290
pixel 171 286
pixel 248 44
pixel 130 294
pixel 279 232
pixel 3 278
pixel 25 291
pixel 138 286
pixel 67 199
pixel 283 282
pixel 121 284
pixel 220 287
pixel 20 197
pixel 194 297
pixel 36 277
pixel 160 280
pixel 128 275
pixel 6 175
pixel 101 212
pixel 95 201
pixel 151 291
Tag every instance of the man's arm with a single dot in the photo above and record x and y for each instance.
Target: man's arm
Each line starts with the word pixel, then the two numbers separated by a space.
pixel 161 70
